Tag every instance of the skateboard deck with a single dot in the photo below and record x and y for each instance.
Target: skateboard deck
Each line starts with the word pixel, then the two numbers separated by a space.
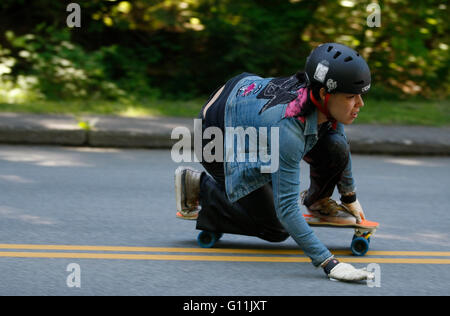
pixel 317 221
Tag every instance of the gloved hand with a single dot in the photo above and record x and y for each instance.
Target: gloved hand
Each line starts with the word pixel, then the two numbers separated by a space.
pixel 354 209
pixel 346 272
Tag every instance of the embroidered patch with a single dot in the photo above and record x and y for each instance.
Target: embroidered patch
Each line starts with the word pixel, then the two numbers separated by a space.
pixel 331 84
pixel 245 90
pixel 249 89
pixel 278 91
pixel 321 72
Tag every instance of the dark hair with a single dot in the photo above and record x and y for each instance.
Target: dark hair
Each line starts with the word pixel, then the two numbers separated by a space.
pixel 315 87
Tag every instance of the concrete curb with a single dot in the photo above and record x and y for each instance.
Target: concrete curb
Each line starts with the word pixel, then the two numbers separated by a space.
pixel 37 129
pixel 153 132
pixel 399 140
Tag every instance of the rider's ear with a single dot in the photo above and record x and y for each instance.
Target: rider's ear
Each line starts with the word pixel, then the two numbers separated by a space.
pixel 322 93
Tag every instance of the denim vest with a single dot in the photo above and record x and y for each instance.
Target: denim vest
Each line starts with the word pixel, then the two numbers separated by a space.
pixel 246 110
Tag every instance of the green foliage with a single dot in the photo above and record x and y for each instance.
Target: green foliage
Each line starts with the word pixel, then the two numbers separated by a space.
pixel 57 67
pixel 148 49
pixel 408 54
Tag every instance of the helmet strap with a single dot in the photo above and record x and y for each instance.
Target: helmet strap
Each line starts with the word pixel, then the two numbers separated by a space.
pixel 323 108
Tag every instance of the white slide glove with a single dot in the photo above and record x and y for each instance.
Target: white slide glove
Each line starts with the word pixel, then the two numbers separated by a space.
pixel 355 209
pixel 346 272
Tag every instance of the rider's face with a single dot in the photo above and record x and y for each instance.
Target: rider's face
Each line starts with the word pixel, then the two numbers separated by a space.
pixel 344 107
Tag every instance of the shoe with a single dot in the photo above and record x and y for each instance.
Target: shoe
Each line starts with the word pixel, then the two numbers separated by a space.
pixel 330 211
pixel 187 191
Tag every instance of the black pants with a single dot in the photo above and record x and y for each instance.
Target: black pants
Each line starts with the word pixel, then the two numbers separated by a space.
pixel 254 214
pixel 327 161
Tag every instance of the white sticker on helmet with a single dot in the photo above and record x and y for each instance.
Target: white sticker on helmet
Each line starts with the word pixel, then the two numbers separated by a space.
pixel 366 88
pixel 321 72
pixel 331 84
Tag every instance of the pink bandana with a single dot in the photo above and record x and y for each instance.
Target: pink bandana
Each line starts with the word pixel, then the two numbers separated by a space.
pixel 295 106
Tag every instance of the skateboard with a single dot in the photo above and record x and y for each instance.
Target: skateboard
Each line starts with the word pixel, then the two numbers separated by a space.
pixel 361 239
pixel 359 245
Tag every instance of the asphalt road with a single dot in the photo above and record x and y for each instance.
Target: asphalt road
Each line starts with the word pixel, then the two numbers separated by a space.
pixel 112 213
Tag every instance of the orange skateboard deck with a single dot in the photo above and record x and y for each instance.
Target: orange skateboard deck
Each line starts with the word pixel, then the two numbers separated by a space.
pixel 317 221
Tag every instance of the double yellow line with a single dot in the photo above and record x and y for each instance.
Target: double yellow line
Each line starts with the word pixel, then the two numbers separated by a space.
pixel 211 254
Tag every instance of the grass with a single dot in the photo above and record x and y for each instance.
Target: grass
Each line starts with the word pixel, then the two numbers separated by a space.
pixel 126 108
pixel 420 112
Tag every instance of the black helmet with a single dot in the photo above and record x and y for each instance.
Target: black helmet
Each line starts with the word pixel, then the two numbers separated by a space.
pixel 338 68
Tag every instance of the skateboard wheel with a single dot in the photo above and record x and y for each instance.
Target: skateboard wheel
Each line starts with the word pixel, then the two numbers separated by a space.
pixel 360 246
pixel 207 239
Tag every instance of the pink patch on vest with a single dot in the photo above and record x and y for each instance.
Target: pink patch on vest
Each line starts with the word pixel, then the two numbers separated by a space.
pixel 249 89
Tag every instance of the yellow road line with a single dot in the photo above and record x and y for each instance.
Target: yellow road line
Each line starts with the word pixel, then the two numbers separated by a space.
pixel 149 249
pixel 121 256
pixel 410 253
pixel 213 250
pixel 150 257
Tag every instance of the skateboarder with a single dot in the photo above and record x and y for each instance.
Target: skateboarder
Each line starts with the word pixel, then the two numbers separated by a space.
pixel 307 112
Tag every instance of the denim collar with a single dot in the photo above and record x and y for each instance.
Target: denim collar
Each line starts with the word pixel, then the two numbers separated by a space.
pixel 311 123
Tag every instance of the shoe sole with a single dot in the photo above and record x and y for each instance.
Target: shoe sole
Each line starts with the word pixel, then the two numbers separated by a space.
pixel 192 217
pixel 317 219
